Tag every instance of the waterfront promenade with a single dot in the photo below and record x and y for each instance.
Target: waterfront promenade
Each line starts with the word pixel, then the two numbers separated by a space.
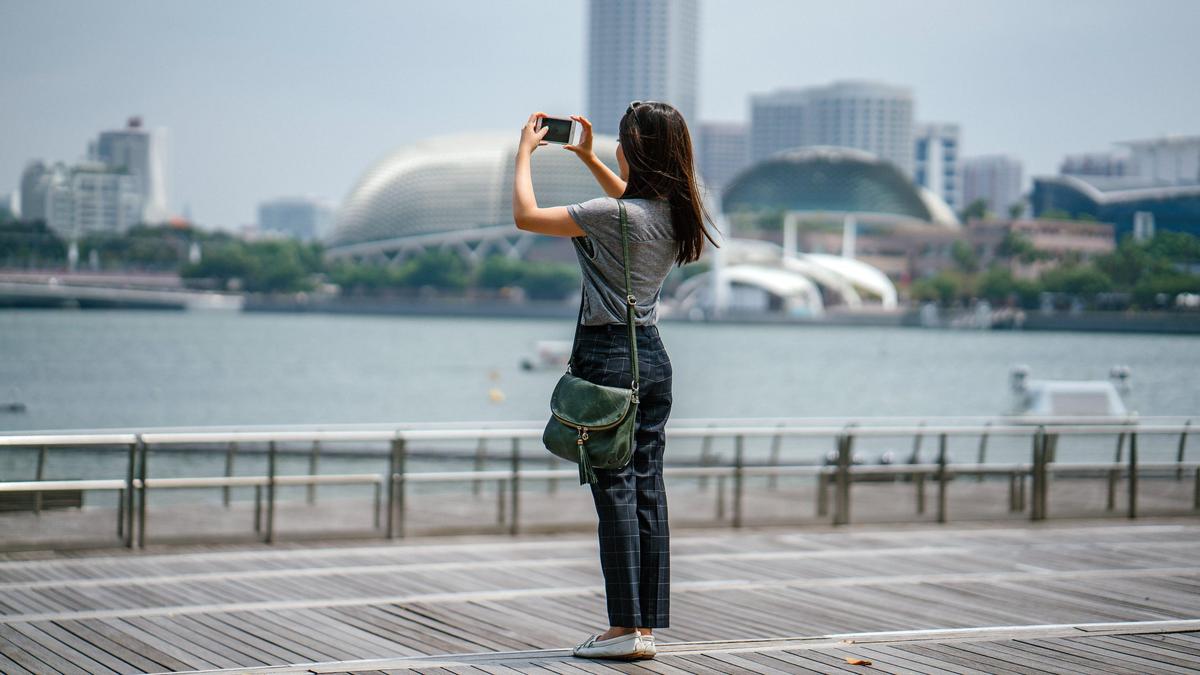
pixel 1066 597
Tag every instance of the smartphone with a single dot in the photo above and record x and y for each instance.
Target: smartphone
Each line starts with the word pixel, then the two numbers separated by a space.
pixel 563 130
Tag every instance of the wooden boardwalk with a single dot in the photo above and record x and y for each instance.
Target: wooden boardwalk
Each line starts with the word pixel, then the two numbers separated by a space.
pixel 1081 597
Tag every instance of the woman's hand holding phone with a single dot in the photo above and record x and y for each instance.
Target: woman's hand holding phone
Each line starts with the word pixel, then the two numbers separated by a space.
pixel 531 139
pixel 583 149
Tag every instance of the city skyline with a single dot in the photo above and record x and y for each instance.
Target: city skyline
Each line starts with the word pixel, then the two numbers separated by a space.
pixel 253 114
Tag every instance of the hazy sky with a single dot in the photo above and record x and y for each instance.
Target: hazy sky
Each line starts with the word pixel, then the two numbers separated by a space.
pixel 266 99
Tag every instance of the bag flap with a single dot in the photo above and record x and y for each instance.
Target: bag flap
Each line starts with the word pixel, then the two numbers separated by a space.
pixel 588 404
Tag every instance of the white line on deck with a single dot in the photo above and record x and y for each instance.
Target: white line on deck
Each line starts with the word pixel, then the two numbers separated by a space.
pixel 835 640
pixel 503 594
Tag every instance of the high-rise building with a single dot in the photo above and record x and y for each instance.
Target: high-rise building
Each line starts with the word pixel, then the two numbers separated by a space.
pixel 996 179
pixel 935 161
pixel 641 50
pixel 90 198
pixel 141 153
pixel 1106 164
pixel 870 116
pixel 721 152
pixel 300 217
pixel 34 184
pixel 1169 160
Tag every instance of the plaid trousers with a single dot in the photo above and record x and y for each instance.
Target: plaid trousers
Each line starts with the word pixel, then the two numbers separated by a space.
pixel 631 502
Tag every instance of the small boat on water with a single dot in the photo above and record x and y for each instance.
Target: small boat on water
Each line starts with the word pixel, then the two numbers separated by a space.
pixel 548 355
pixel 1070 398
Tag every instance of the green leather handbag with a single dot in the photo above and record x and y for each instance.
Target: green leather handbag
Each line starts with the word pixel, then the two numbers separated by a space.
pixel 593 424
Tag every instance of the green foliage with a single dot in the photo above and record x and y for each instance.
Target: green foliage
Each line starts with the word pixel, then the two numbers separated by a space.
pixel 1081 280
pixel 539 280
pixel 440 269
pixel 945 288
pixel 1016 245
pixel 24 243
pixel 261 266
pixel 964 256
pixel 549 281
pixel 976 209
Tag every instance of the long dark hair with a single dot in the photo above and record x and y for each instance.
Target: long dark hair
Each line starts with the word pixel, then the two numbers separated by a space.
pixel 658 148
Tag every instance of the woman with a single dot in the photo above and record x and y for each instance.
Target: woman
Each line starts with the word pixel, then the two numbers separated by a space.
pixel 666 226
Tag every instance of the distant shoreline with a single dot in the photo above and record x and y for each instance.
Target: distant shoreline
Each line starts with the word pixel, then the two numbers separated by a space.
pixel 1142 322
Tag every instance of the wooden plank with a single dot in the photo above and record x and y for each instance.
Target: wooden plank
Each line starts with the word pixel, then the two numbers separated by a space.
pixel 36 652
pixel 24 660
pixel 1019 657
pixel 87 652
pixel 141 657
pixel 891 654
pixel 169 635
pixel 952 658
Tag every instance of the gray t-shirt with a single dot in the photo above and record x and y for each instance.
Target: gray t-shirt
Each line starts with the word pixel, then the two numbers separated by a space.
pixel 652 249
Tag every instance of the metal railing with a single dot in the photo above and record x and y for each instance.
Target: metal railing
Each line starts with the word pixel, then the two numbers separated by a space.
pixel 391 487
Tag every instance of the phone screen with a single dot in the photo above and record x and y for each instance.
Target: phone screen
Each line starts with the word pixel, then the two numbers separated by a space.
pixel 560 130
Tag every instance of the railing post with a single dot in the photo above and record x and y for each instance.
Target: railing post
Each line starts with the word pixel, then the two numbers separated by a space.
pixel 1179 453
pixel 919 479
pixel 983 439
pixel 1133 474
pixel 127 497
pixel 1038 473
pixel 1196 491
pixel 39 475
pixel 941 507
pixel 1110 502
pixel 915 458
pixel 738 479
pixel 705 457
pixel 141 516
pixel 378 505
pixel 258 492
pixel 822 492
pixel 776 444
pixel 270 538
pixel 516 485
pixel 1120 448
pixel 230 456
pixel 841 501
pixel 401 479
pixel 390 484
pixel 501 502
pixel 720 498
pixel 314 462
pixel 480 451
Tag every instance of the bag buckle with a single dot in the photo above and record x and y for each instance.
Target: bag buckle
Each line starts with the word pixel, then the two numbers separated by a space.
pixel 631 300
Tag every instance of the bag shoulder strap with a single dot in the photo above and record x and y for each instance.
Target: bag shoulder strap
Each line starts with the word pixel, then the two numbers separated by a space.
pixel 630 303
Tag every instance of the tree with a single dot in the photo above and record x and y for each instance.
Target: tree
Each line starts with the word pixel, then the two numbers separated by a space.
pixel 1016 209
pixel 976 209
pixel 440 269
pixel 1084 281
pixel 964 256
pixel 1016 245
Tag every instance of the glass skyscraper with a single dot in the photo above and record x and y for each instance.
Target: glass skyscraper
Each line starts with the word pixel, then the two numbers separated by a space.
pixel 643 50
pixel 935 157
pixel 870 116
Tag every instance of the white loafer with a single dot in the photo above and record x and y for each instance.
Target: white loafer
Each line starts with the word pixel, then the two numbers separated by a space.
pixel 625 647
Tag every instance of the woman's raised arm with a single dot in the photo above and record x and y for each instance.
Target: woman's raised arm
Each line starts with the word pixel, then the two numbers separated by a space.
pixel 610 182
pixel 554 221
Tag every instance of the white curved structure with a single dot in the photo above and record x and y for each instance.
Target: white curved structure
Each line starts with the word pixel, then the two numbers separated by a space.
pixel 846 278
pixel 751 288
pixel 455 191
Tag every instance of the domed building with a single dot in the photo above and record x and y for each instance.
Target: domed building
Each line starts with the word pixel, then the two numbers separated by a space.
pixel 456 192
pixel 828 182
pixel 817 228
